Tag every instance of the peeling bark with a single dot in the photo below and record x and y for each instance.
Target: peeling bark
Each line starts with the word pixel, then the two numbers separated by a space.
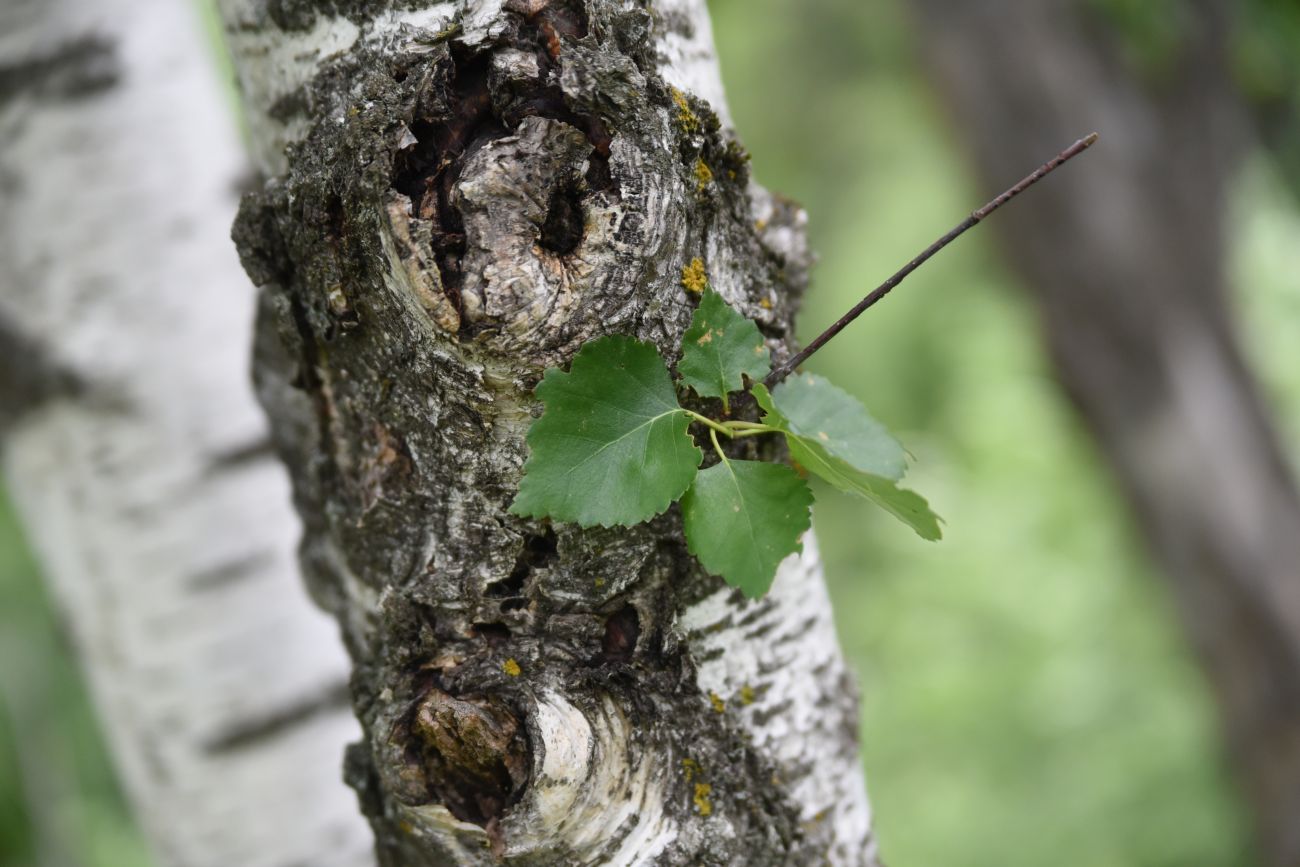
pixel 135 451
pixel 470 192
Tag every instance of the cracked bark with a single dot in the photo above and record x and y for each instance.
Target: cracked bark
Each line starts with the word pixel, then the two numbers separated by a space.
pixel 1126 261
pixel 470 192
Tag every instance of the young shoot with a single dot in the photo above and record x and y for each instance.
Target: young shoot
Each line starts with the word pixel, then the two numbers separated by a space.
pixel 614 445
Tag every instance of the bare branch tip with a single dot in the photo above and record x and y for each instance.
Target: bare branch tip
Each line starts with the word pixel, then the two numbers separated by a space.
pixel 975 217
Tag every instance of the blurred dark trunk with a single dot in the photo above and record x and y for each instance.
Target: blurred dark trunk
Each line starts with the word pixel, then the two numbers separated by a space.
pixel 1125 256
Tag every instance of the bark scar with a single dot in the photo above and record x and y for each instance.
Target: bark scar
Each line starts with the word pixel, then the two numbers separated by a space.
pixel 476 755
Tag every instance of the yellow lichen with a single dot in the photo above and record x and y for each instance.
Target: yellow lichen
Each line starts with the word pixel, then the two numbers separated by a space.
pixel 694 277
pixel 511 667
pixel 703 174
pixel 703 805
pixel 765 304
pixel 694 773
pixel 746 694
pixel 600 582
pixel 716 700
pixel 686 118
pixel 447 32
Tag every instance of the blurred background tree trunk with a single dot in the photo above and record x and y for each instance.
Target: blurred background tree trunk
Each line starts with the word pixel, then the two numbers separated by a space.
pixel 136 453
pixel 1125 257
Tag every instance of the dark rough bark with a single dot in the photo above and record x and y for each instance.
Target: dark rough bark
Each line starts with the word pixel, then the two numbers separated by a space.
pixel 1125 255
pixel 467 209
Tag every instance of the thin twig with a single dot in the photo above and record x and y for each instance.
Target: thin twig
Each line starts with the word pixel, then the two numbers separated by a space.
pixel 883 289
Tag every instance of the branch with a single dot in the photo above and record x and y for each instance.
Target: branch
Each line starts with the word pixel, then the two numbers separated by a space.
pixel 884 289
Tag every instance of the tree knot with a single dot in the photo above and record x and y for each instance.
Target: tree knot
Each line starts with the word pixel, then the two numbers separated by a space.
pixel 475 754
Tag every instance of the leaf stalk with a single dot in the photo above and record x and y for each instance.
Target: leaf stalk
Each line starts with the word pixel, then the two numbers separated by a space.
pixel 717 446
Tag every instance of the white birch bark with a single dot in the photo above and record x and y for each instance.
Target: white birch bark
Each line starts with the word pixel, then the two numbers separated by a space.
pixel 535 694
pixel 135 451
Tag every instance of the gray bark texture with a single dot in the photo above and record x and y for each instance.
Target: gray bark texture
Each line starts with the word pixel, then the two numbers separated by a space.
pixel 1125 256
pixel 471 191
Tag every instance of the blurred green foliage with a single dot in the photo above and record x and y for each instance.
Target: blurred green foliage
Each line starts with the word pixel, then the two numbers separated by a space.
pixel 1263 56
pixel 1266 61
pixel 1028 699
pixel 1151 34
pixel 1266 264
pixel 60 805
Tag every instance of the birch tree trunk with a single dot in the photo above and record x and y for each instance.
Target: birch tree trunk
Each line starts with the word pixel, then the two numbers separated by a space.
pixel 135 451
pixel 1126 262
pixel 472 190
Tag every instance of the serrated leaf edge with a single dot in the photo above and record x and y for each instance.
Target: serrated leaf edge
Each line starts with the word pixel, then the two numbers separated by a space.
pixel 556 374
pixel 798 546
pixel 692 334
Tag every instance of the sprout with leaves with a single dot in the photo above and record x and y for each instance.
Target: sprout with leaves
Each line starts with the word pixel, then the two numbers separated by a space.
pixel 613 444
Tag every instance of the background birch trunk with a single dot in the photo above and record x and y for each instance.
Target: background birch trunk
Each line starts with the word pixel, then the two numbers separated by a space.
pixel 471 191
pixel 134 448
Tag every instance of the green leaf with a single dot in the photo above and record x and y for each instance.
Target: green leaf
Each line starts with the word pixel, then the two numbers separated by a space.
pixel 611 446
pixel 815 455
pixel 719 346
pixel 743 518
pixel 820 412
pixel 907 506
